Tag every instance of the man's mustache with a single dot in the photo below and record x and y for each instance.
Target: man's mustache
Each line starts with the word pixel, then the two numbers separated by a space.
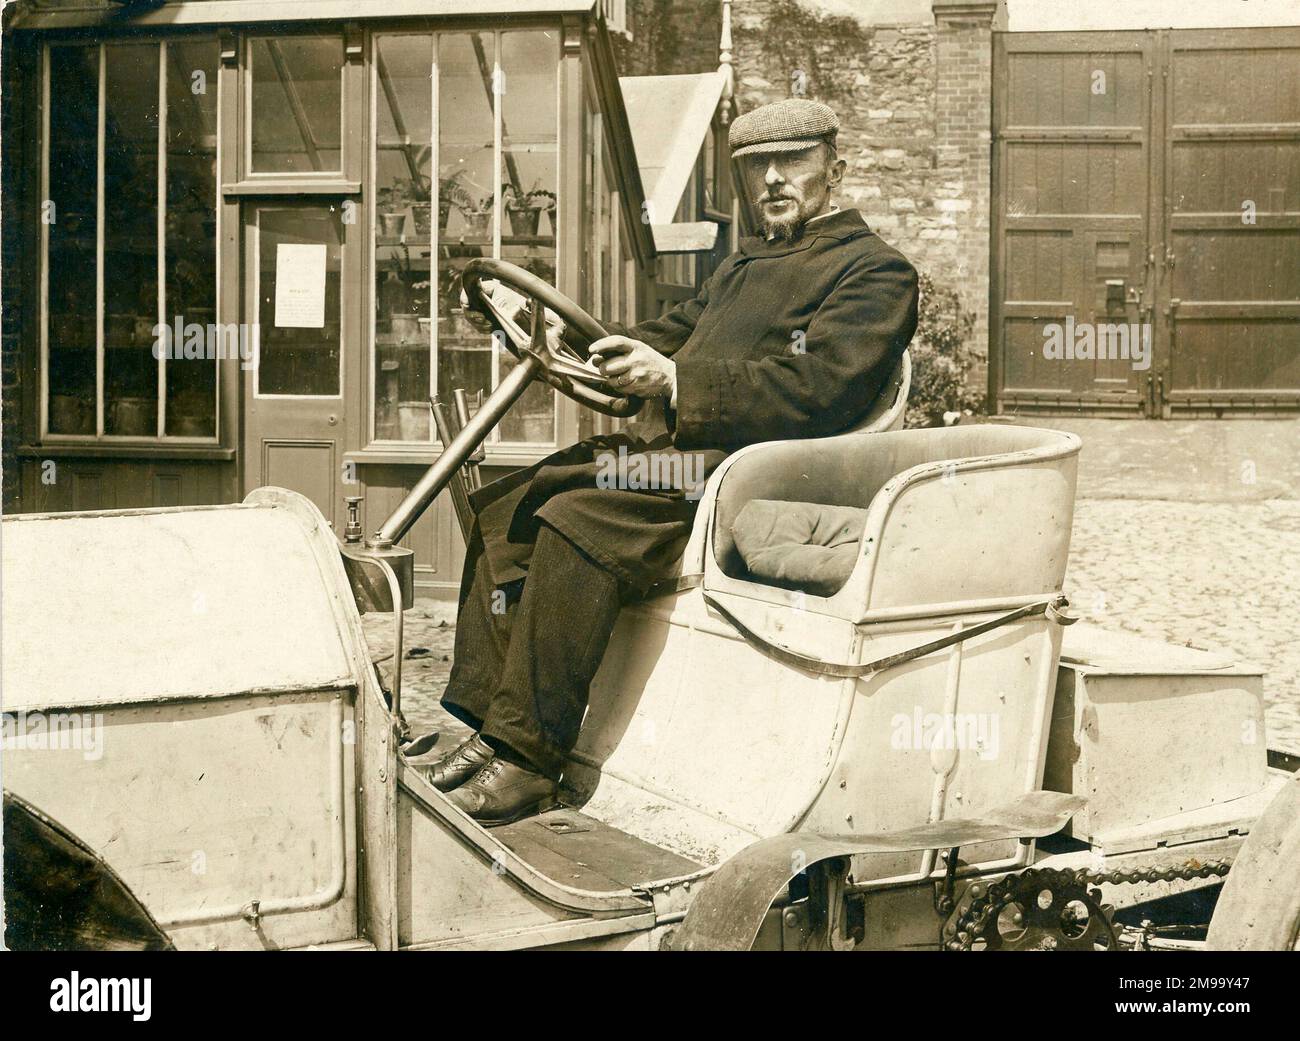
pixel 773 198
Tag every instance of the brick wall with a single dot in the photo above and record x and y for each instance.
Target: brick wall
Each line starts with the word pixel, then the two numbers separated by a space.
pixel 963 106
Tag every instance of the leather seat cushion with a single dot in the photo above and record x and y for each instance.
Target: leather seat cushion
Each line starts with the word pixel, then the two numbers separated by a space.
pixel 799 545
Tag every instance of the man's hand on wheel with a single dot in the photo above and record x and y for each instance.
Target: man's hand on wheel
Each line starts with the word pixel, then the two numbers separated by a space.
pixel 634 368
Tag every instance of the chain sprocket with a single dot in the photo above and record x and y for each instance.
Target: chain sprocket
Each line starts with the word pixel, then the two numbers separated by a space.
pixel 1054 909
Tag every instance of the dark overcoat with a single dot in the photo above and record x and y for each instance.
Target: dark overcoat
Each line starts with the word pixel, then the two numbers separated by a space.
pixel 784 340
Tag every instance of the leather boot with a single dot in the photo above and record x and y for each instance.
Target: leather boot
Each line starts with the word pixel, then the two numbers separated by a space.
pixel 502 793
pixel 460 764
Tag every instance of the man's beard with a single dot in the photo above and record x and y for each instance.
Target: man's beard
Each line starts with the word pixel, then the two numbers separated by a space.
pixel 784 229
pixel 788 227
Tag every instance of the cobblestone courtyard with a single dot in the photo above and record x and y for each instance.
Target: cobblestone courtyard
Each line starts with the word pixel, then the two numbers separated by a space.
pixel 1216 575
pixel 1184 532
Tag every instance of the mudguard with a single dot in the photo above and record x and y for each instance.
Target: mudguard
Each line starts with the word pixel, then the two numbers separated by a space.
pixel 60 895
pixel 729 909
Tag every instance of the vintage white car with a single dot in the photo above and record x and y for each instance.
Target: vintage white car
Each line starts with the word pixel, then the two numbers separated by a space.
pixel 929 756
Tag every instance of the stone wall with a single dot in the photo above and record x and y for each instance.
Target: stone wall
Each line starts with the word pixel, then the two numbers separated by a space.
pixel 914 108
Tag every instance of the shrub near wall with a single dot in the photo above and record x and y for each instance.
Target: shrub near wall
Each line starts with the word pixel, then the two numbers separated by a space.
pixel 942 360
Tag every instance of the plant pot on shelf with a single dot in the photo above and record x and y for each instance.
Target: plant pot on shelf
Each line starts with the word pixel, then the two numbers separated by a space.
pixel 478 225
pixel 407 326
pixel 143 330
pixel 422 213
pixel 118 328
pixel 189 425
pixel 444 214
pixel 71 415
pixel 413 420
pixel 532 427
pixel 550 216
pixel 459 325
pixel 132 417
pixel 65 330
pixel 524 220
pixel 391 224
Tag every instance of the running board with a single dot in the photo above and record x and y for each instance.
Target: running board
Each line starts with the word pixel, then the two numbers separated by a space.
pixel 494 847
pixel 730 906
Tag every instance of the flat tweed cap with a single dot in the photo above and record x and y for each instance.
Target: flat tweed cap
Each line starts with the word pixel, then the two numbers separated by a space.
pixel 790 125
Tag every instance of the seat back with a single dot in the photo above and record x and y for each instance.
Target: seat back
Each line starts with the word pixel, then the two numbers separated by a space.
pixel 968 489
pixel 886 414
pixel 890 407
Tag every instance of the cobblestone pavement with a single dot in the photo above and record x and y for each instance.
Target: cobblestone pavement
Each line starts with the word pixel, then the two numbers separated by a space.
pixel 1222 576
pixel 429 631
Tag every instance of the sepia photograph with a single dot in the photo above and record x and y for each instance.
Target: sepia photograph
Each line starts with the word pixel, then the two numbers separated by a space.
pixel 651 476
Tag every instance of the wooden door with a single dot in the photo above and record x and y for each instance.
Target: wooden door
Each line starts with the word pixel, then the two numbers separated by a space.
pixel 1072 167
pixel 298 265
pixel 1149 178
pixel 1229 290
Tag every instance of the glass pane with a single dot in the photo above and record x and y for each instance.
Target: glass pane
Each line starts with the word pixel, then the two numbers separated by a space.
pixel 529 182
pixel 130 267
pixel 74 123
pixel 191 237
pixel 465 203
pixel 300 251
pixel 403 238
pixel 297 103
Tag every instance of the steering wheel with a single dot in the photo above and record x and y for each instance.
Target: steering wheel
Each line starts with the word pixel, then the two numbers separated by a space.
pixel 565 367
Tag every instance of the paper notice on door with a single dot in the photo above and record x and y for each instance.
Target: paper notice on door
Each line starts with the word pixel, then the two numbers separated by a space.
pixel 300 285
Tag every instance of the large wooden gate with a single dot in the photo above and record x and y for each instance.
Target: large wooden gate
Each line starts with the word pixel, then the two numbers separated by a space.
pixel 1147 191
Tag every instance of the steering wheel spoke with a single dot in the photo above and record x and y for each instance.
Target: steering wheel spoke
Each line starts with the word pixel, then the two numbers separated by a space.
pixel 561 365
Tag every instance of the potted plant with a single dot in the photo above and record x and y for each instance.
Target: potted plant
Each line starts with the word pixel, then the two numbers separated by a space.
pixel 395 299
pixel 525 208
pixel 420 303
pixel 390 203
pixel 413 420
pixel 478 218
pixel 451 193
pixel 418 188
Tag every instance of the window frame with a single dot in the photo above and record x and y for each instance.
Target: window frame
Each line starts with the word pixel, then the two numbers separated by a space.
pixel 497 449
pixel 250 179
pixel 253 230
pixel 160 439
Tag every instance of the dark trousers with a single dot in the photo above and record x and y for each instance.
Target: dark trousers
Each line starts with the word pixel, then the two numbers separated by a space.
pixel 526 652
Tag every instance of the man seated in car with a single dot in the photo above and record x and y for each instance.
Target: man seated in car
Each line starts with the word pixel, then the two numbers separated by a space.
pixel 794 335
